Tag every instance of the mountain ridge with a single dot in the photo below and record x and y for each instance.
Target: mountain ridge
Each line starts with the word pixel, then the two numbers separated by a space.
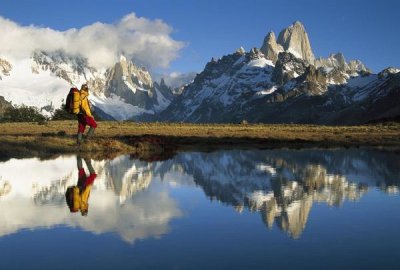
pixel 43 81
pixel 282 82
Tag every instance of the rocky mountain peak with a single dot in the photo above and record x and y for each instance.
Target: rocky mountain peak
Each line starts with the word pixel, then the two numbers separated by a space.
pixel 356 66
pixel 132 83
pixel 135 86
pixel 337 63
pixel 255 54
pixel 388 72
pixel 241 51
pixel 136 74
pixel 294 39
pixel 5 67
pixel 270 48
pixel 162 83
pixel 71 68
pixel 339 57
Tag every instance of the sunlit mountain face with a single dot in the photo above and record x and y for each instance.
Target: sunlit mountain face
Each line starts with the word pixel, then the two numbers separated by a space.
pixel 137 199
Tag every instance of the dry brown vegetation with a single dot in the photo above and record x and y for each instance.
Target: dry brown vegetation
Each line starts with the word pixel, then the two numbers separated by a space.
pixel 59 136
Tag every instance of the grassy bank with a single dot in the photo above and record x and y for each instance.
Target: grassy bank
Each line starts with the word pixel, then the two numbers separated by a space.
pixel 127 137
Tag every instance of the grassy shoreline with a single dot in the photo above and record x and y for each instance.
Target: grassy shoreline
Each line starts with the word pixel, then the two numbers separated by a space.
pixel 113 138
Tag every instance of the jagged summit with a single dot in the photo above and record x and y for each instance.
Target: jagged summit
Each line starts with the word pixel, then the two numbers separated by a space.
pixel 293 39
pixel 241 51
pixel 338 61
pixel 121 92
pixel 282 82
pixel 270 48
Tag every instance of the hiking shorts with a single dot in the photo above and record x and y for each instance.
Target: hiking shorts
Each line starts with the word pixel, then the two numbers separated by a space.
pixel 84 120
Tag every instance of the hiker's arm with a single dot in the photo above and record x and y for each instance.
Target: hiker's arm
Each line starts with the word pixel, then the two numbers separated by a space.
pixel 86 107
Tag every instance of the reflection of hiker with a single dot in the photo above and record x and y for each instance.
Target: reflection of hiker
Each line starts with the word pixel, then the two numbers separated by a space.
pixel 77 196
pixel 85 116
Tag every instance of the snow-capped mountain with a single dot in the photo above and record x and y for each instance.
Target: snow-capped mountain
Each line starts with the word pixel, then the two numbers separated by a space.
pixel 123 91
pixel 283 82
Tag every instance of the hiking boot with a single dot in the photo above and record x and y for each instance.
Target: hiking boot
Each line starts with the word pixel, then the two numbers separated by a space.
pixel 89 133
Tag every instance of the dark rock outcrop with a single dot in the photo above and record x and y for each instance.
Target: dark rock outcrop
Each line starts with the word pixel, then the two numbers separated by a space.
pixel 4 105
pixel 5 68
pixel 288 67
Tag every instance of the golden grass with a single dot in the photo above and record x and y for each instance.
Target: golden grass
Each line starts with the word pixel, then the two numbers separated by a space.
pixel 23 146
pixel 125 137
pixel 369 134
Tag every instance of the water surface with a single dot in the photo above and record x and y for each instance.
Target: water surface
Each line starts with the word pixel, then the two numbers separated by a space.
pixel 237 209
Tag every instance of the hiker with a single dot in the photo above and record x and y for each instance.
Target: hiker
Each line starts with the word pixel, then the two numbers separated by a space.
pixel 85 116
pixel 77 197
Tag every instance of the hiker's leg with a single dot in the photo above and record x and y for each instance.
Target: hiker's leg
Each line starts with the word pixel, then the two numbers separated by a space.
pixel 79 138
pixel 92 124
pixel 79 162
pixel 81 172
pixel 81 128
pixel 89 166
pixel 90 132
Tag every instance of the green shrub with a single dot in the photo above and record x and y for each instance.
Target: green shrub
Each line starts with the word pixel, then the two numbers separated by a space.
pixel 23 114
pixel 62 114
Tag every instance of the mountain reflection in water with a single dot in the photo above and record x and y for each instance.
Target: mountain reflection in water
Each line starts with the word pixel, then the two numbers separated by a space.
pixel 133 198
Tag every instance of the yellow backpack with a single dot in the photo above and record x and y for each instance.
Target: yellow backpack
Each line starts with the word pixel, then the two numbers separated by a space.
pixel 77 199
pixel 72 101
pixel 73 198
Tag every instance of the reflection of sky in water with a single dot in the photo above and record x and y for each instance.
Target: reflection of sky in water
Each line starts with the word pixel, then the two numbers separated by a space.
pixel 228 207
pixel 34 198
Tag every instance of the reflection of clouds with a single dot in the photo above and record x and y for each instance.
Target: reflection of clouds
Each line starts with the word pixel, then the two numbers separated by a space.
pixel 128 198
pixel 36 199
pixel 147 214
pixel 28 177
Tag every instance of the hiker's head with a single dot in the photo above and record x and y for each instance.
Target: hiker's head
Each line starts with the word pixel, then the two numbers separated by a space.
pixel 84 87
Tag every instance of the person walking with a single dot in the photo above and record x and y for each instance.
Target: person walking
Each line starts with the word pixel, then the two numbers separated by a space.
pixel 85 116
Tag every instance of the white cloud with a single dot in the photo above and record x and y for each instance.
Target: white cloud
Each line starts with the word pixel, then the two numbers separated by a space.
pixel 146 41
pixel 176 79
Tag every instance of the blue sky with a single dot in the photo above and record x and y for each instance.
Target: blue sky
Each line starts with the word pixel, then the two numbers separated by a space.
pixel 365 30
